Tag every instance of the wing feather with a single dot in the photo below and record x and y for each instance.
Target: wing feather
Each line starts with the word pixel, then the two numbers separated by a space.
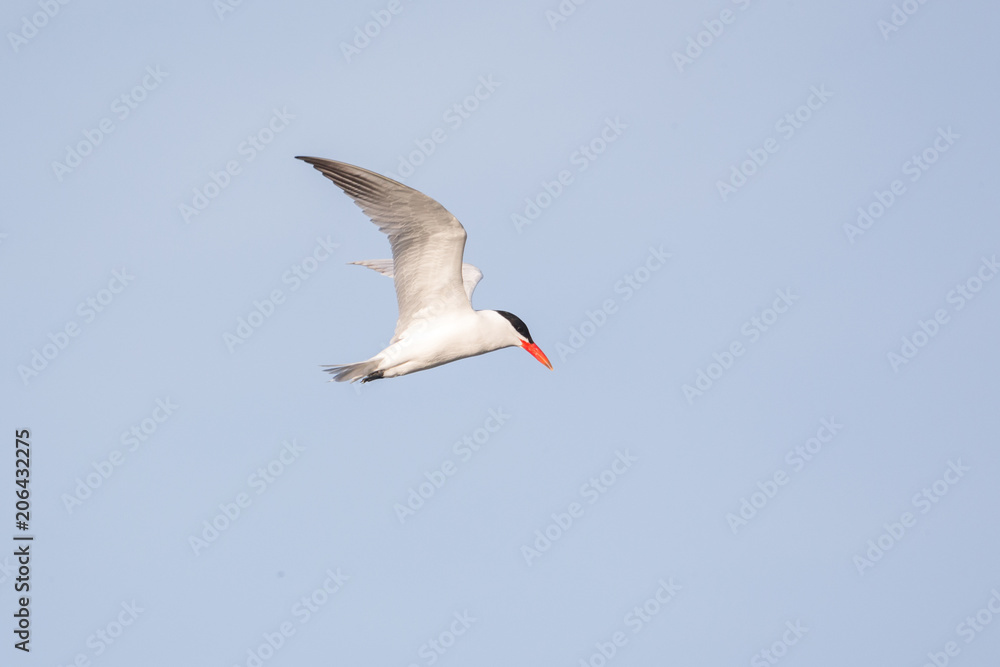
pixel 427 241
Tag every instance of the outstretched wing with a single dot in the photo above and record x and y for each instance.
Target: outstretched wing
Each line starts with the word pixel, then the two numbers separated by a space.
pixel 427 241
pixel 470 274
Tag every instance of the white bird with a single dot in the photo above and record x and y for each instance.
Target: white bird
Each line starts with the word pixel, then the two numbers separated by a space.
pixel 436 324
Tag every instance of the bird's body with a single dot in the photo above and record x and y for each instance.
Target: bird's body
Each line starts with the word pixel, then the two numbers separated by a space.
pixel 433 342
pixel 434 287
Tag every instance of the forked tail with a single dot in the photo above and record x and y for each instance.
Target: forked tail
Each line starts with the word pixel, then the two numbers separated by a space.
pixel 352 372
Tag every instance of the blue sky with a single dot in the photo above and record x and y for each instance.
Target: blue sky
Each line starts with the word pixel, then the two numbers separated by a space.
pixel 758 242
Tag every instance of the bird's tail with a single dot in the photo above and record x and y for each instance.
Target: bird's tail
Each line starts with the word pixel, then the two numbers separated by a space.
pixel 352 372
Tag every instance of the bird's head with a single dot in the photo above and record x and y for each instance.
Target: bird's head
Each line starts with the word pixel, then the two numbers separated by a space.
pixel 520 336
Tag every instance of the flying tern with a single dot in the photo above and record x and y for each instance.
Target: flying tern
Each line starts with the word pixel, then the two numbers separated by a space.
pixel 436 324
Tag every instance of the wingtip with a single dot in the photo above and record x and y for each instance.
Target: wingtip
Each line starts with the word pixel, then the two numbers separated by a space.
pixel 314 161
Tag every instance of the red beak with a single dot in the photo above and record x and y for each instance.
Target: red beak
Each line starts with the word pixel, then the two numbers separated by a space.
pixel 537 353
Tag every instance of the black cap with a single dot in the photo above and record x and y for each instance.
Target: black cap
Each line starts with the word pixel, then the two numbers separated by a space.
pixel 518 325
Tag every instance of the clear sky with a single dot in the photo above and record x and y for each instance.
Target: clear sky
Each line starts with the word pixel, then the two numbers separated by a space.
pixel 758 241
